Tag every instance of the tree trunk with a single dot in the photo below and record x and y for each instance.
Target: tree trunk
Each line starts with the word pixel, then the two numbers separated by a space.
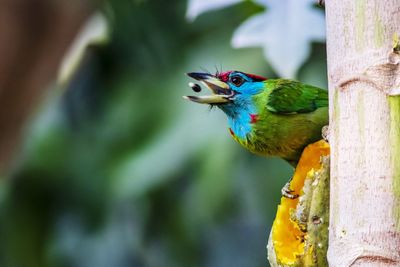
pixel 364 79
pixel 34 36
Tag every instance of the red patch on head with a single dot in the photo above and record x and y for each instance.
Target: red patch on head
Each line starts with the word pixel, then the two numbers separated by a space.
pixel 256 78
pixel 224 76
pixel 253 118
pixel 231 131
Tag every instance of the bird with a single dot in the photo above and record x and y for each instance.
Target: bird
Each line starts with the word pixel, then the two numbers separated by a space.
pixel 269 117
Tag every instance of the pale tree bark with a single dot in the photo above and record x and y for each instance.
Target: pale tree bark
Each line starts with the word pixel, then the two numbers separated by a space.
pixel 364 79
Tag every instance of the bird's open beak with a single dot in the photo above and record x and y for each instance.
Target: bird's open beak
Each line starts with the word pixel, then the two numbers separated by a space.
pixel 221 93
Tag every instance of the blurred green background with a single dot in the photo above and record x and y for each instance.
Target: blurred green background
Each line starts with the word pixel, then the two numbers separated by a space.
pixel 118 170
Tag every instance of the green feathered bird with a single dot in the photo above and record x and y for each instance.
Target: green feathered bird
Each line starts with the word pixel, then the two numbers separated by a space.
pixel 269 117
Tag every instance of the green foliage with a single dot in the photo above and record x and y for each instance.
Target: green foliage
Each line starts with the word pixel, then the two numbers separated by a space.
pixel 118 170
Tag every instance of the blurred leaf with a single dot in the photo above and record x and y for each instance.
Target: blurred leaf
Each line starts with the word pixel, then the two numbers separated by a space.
pixel 154 165
pixel 94 31
pixel 211 191
pixel 285 32
pixel 312 72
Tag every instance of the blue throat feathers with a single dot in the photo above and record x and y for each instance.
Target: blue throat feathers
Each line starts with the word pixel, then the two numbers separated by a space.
pixel 240 124
pixel 242 111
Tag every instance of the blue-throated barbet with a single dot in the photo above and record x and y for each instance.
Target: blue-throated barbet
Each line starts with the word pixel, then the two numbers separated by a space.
pixel 270 117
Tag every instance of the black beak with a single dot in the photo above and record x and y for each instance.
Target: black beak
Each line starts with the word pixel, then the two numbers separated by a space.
pixel 221 93
pixel 200 76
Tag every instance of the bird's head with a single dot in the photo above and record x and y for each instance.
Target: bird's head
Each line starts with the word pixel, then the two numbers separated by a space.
pixel 230 90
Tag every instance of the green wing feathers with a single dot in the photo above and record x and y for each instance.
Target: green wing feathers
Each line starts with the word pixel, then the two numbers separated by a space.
pixel 288 97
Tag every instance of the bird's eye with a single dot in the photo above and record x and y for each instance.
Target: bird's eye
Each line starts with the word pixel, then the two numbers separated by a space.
pixel 237 80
